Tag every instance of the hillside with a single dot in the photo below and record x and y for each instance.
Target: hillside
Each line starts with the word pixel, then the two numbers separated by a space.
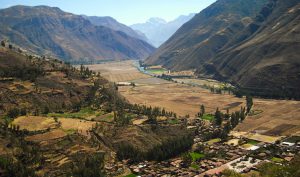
pixel 264 57
pixel 60 117
pixel 158 30
pixel 50 31
pixel 199 39
pixel 110 22
pixel 257 54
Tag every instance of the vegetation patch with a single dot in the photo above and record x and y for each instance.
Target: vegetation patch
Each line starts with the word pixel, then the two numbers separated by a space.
pixel 173 121
pixel 157 71
pixel 196 156
pixel 85 113
pixel 208 117
pixel 213 141
pixel 195 166
pixel 277 160
pixel 34 123
pixel 130 175
pixel 252 142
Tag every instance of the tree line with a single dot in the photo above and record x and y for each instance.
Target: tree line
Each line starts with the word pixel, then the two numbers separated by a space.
pixel 167 149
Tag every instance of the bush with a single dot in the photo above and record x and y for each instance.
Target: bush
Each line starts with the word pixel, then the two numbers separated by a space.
pixel 13 113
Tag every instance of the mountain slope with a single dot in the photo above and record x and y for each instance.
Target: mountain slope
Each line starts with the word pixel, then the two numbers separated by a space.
pixel 158 30
pixel 201 38
pixel 264 57
pixel 50 31
pixel 110 22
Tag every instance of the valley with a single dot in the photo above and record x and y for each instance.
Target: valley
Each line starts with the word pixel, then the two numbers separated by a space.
pixel 269 116
pixel 85 94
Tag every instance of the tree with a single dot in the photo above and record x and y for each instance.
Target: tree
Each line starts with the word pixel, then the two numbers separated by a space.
pixel 13 113
pixel 242 114
pixel 249 103
pixel 202 110
pixel 3 43
pixel 92 166
pixel 218 117
pixel 10 46
pixel 46 110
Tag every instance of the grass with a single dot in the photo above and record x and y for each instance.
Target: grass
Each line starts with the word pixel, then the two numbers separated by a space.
pixel 131 175
pixel 277 160
pixel 82 114
pixel 156 71
pixel 252 142
pixel 246 146
pixel 213 141
pixel 173 121
pixel 69 131
pixel 208 117
pixel 195 166
pixel 195 156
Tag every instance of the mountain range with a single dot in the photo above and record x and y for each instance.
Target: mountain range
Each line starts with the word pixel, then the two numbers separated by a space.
pixel 112 23
pixel 51 31
pixel 250 43
pixel 157 30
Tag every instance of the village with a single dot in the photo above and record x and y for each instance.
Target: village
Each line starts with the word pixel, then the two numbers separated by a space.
pixel 210 158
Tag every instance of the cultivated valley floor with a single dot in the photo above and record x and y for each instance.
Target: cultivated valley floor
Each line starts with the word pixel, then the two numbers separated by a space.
pixel 270 117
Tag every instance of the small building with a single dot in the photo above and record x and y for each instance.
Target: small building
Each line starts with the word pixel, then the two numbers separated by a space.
pixel 287 144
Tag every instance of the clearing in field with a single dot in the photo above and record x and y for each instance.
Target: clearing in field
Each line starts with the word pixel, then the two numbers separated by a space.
pixel 35 123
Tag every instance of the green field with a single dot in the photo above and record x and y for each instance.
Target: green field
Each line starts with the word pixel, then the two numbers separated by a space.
pixel 252 142
pixel 277 160
pixel 208 117
pixel 195 166
pixel 131 175
pixel 195 156
pixel 173 121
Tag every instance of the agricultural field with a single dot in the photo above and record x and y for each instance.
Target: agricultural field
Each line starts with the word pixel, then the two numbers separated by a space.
pixel 34 123
pixel 118 71
pixel 268 117
pixel 273 117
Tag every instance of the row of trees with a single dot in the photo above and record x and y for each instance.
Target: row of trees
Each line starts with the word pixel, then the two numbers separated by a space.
pixel 85 72
pixel 167 149
pixel 23 72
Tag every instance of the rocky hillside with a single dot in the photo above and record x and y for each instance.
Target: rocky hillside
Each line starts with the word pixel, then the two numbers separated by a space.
pixel 248 43
pixel 110 22
pixel 264 57
pixel 50 31
pixel 158 30
pixel 199 39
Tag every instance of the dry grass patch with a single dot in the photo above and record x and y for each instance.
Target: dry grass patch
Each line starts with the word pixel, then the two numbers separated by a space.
pixel 279 117
pixel 118 71
pixel 34 123
pixel 178 98
pixel 54 134
pixel 81 126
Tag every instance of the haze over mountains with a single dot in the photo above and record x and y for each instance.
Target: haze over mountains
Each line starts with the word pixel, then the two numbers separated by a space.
pixel 110 22
pixel 252 44
pixel 157 30
pixel 51 31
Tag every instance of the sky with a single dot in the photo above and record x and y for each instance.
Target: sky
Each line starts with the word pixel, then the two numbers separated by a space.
pixel 125 11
